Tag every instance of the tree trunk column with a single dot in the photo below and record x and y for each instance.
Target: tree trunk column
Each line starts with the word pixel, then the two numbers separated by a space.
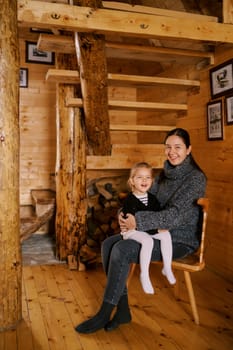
pixel 90 50
pixel 71 202
pixel 10 257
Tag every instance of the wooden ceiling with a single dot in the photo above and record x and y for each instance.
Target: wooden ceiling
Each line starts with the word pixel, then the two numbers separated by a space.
pixel 171 45
pixel 158 49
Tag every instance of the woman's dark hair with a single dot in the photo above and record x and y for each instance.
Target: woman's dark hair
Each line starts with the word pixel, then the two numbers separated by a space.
pixel 184 135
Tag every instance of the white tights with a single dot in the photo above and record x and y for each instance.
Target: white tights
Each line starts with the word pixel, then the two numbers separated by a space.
pixel 147 243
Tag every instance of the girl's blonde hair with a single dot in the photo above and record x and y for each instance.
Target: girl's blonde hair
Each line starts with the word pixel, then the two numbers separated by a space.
pixel 134 169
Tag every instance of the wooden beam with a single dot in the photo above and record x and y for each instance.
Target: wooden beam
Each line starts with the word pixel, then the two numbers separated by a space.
pixel 157 11
pixel 72 77
pixel 84 19
pixel 90 52
pixel 132 105
pixel 228 11
pixel 65 44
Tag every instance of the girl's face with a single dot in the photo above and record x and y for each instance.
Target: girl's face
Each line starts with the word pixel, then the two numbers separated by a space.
pixel 176 150
pixel 141 181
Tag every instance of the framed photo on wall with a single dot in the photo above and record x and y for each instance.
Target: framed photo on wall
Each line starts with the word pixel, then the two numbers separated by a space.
pixel 229 109
pixel 215 120
pixel 221 79
pixel 34 55
pixel 23 77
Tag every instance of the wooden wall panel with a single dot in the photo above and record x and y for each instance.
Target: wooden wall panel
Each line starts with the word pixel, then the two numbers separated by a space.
pixel 37 130
pixel 216 159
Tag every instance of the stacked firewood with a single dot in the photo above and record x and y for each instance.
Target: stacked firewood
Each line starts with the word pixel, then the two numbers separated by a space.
pixel 105 197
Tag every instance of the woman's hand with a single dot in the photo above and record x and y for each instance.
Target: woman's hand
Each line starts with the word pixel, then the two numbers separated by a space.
pixel 128 223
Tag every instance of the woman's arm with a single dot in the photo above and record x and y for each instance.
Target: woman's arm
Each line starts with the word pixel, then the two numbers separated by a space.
pixel 181 211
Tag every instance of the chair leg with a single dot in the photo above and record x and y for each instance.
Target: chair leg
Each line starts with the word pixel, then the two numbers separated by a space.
pixel 191 296
pixel 177 286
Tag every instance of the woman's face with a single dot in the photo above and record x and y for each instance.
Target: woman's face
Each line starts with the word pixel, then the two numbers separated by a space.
pixel 176 150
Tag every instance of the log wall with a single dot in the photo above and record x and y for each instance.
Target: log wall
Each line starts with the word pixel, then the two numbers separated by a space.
pixel 216 159
pixel 37 130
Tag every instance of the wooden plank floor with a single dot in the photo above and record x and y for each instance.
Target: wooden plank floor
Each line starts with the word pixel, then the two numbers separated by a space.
pixel 56 299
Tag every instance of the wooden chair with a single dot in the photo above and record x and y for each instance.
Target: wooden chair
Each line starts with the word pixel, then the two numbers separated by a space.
pixel 192 263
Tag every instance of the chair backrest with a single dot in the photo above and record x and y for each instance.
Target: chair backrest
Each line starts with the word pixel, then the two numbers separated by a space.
pixel 204 204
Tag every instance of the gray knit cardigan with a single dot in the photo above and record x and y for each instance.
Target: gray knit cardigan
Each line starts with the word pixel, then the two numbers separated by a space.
pixel 177 194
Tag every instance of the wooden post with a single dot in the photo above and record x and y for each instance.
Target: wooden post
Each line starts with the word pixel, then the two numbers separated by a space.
pixel 90 49
pixel 10 258
pixel 71 200
pixel 227 11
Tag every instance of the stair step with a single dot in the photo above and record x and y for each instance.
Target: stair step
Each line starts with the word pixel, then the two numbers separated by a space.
pixel 132 105
pixel 38 218
pixel 137 149
pixel 139 127
pixel 66 76
pixel 123 162
pixel 43 196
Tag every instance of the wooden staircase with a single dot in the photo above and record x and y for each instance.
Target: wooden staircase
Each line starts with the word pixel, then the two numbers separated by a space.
pixel 39 214
pixel 124 155
pixel 157 48
pixel 156 51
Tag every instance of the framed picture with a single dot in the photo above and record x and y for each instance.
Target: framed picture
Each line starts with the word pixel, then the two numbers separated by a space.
pixel 229 109
pixel 34 55
pixel 221 79
pixel 215 120
pixel 41 30
pixel 23 77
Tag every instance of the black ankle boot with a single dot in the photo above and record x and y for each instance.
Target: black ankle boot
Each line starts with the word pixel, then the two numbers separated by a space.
pixel 121 316
pixel 98 321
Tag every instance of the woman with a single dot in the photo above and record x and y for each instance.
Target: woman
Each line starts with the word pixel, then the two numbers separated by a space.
pixel 177 188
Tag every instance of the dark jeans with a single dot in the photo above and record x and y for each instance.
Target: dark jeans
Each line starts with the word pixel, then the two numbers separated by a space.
pixel 118 254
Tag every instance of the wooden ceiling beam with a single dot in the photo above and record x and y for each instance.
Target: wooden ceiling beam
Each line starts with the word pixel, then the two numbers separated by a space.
pixel 65 44
pixel 84 19
pixel 157 11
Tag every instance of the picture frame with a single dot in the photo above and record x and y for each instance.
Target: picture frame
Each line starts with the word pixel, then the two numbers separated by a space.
pixel 229 109
pixel 41 30
pixel 215 120
pixel 221 79
pixel 33 55
pixel 23 77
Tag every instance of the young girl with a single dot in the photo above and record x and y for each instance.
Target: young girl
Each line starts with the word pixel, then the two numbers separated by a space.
pixel 140 199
